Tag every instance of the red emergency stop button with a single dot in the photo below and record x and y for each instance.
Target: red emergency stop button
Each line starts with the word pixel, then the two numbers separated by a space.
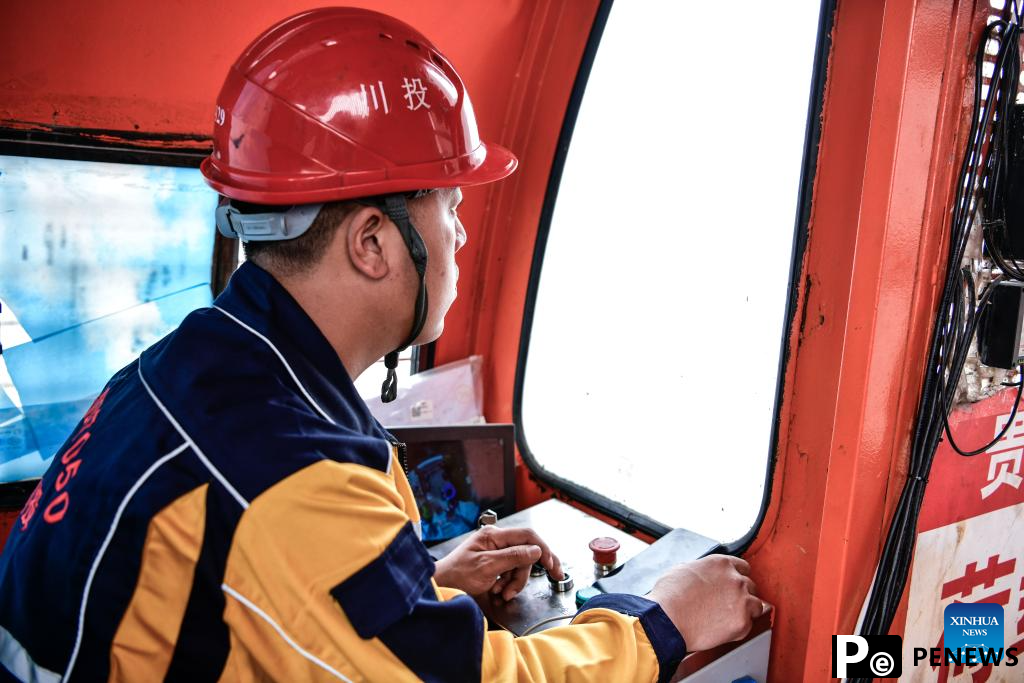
pixel 604 549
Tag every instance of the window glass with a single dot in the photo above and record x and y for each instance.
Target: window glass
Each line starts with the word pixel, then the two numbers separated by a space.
pixel 658 323
pixel 97 262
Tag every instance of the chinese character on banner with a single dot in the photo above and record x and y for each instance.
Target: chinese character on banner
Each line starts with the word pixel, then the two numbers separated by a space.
pixel 1005 456
pixel 1003 468
pixel 969 548
pixel 971 561
pixel 415 94
pixel 1014 437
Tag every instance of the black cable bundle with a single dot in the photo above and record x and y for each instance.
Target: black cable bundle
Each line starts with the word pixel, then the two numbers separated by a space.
pixel 984 166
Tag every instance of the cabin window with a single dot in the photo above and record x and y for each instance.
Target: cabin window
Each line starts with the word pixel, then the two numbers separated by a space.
pixel 97 261
pixel 654 353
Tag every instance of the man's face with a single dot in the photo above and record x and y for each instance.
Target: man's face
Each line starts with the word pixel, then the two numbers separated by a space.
pixel 437 220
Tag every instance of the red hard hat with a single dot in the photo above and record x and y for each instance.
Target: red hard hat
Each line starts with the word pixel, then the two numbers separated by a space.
pixel 338 103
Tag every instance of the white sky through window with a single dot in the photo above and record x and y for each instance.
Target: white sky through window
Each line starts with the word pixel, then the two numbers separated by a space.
pixel 655 345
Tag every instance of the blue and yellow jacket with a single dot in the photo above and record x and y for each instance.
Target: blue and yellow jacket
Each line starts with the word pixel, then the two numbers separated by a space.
pixel 228 509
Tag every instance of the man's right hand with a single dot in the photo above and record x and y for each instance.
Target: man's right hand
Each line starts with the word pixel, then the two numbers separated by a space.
pixel 711 600
pixel 496 560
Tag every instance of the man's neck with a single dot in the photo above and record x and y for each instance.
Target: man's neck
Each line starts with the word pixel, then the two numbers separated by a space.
pixel 352 323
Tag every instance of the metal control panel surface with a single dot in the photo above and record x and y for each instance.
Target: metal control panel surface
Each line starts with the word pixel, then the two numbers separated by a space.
pixel 567 531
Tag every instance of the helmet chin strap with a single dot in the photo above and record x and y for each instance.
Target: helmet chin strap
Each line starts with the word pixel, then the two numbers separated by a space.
pixel 397 209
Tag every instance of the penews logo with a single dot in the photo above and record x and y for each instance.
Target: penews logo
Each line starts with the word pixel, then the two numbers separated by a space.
pixel 973 637
pixel 867 656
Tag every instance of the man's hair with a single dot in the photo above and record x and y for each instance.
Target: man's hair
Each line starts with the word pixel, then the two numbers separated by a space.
pixel 289 257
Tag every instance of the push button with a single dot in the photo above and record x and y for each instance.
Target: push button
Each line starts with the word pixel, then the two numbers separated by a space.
pixel 605 551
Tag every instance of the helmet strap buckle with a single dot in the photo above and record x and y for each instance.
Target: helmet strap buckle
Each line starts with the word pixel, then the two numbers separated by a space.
pixel 397 209
pixel 265 226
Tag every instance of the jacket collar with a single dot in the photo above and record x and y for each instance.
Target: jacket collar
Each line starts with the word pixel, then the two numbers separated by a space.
pixel 258 300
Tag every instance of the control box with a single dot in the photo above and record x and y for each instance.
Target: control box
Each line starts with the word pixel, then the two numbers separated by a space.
pixel 999 329
pixel 1013 192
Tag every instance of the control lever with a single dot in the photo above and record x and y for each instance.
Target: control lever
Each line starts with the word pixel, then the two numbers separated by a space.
pixel 486 518
pixel 638 575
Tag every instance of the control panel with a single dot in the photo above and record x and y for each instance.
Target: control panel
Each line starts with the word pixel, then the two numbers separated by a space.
pixel 569 533
pixel 599 558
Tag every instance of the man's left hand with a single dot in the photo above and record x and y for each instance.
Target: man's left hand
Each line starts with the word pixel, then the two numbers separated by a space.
pixel 497 561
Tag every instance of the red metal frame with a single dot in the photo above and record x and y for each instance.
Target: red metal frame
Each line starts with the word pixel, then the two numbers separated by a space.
pixel 894 125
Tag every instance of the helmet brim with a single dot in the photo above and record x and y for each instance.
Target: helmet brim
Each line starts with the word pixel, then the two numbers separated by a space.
pixel 498 163
pixel 487 164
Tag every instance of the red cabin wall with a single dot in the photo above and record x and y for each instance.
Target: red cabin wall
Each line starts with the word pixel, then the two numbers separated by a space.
pixel 125 66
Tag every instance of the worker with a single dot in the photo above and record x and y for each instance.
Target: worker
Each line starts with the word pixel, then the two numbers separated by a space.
pixel 228 508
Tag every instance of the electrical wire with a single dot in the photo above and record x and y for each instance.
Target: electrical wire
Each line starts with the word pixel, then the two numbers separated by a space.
pixel 999 436
pixel 542 622
pixel 953 330
pixel 981 188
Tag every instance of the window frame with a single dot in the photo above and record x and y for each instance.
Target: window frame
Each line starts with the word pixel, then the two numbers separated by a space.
pixel 631 518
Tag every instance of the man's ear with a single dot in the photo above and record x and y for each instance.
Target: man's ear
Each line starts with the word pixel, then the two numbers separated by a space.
pixel 364 244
